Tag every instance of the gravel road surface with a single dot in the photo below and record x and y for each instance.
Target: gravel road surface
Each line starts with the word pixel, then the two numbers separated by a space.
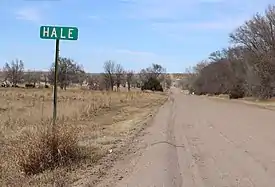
pixel 201 142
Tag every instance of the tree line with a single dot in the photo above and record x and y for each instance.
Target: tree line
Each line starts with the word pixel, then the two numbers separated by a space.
pixel 72 73
pixel 246 68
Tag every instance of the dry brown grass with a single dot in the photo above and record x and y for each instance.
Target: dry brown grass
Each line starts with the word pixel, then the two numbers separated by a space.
pixel 267 104
pixel 90 124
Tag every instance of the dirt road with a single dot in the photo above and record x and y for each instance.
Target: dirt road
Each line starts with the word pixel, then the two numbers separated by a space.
pixel 200 142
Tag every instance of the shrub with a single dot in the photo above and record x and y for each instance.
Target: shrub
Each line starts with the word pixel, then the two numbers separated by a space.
pixel 236 93
pixel 152 84
pixel 29 86
pixel 43 151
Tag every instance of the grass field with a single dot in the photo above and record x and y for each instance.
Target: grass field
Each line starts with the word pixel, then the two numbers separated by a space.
pixel 267 104
pixel 90 125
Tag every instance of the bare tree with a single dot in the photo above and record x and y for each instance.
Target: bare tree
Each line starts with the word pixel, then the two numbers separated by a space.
pixel 14 71
pixel 143 76
pixel 69 72
pixel 215 56
pixel 152 77
pixel 156 71
pixel 32 77
pixel 109 71
pixel 79 75
pixel 28 77
pixel 129 79
pixel 168 82
pixel 192 74
pixel 248 68
pixel 45 78
pixel 198 67
pixel 119 73
pixel 257 35
pixel 94 82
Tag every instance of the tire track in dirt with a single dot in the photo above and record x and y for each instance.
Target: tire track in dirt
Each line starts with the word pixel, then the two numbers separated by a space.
pixel 199 142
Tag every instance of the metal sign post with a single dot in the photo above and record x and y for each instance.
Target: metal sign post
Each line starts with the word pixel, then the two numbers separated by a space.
pixel 55 84
pixel 57 33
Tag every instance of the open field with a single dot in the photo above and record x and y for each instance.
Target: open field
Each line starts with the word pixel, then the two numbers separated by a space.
pixel 268 104
pixel 91 125
pixel 199 141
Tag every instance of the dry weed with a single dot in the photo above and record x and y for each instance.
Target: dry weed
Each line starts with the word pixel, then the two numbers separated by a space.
pixel 90 123
pixel 37 153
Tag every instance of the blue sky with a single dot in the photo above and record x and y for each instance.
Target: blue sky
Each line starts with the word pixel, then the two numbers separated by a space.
pixel 135 33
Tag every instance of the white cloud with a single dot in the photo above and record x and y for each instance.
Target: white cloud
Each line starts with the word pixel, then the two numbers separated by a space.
pixel 136 58
pixel 180 27
pixel 135 53
pixel 176 17
pixel 29 14
pixel 127 1
pixel 33 13
pixel 163 9
pixel 129 58
pixel 93 17
pixel 226 25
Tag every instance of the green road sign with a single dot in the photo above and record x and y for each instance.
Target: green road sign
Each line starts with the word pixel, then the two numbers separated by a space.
pixel 60 33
